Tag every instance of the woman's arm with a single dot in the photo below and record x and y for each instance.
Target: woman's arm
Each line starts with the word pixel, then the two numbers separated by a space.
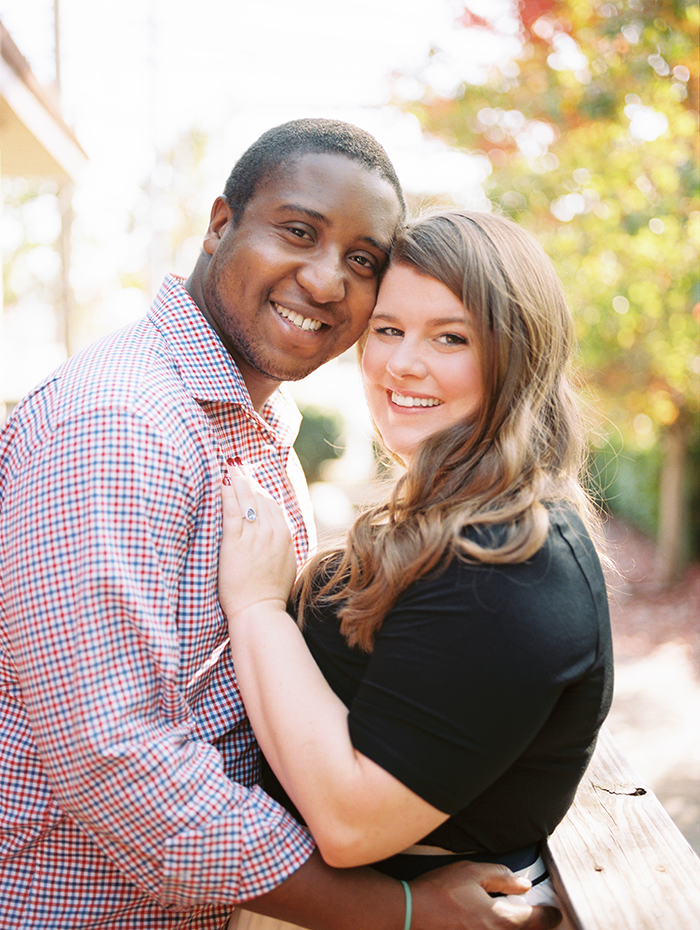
pixel 355 809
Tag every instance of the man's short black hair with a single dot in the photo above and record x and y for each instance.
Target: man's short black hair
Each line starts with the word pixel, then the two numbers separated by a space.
pixel 282 145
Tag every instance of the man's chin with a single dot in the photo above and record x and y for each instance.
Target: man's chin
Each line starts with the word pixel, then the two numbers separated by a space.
pixel 300 375
pixel 282 373
pixel 302 368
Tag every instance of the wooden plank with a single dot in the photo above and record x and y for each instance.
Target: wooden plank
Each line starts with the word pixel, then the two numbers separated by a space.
pixel 617 859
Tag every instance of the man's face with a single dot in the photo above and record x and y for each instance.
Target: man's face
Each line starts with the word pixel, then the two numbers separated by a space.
pixel 293 284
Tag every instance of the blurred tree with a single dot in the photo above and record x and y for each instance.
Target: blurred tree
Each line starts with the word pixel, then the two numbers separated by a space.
pixel 35 327
pixel 318 441
pixel 592 132
pixel 171 212
pixel 31 229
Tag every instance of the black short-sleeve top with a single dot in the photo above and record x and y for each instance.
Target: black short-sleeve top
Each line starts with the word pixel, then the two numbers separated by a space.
pixel 485 689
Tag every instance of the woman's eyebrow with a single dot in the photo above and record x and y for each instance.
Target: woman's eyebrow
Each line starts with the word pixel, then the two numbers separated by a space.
pixel 450 321
pixel 438 322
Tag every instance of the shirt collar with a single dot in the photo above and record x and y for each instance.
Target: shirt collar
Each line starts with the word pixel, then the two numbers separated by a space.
pixel 206 368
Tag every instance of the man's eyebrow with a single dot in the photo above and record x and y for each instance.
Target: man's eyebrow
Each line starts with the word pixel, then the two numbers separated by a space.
pixel 386 249
pixel 322 218
pixel 307 211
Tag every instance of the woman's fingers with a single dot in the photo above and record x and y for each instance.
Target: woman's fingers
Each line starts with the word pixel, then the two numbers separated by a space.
pixel 247 495
pixel 256 559
pixel 252 503
pixel 242 496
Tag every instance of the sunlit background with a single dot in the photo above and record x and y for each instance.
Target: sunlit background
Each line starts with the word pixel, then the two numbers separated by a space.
pixel 165 94
pixel 578 120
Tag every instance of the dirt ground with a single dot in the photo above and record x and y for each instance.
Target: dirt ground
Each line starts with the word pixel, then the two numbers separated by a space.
pixel 655 717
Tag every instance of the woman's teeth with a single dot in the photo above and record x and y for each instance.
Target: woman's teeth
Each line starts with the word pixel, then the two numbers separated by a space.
pixel 303 322
pixel 402 401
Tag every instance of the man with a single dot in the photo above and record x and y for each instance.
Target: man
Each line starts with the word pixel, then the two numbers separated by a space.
pixel 128 794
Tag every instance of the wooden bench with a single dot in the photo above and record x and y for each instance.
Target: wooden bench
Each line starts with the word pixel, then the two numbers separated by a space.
pixel 617 860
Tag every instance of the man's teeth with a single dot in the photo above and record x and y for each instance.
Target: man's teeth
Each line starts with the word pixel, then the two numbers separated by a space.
pixel 303 322
pixel 402 401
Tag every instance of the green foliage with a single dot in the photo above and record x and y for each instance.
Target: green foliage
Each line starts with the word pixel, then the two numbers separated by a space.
pixel 626 482
pixel 694 496
pixel 592 133
pixel 318 440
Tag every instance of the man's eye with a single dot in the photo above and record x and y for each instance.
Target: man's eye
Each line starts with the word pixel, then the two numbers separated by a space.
pixel 364 262
pixel 299 232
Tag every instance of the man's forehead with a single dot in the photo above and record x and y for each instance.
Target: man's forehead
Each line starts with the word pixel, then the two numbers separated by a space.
pixel 318 175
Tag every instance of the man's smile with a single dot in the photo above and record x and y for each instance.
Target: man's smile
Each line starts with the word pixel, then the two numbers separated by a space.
pixel 301 322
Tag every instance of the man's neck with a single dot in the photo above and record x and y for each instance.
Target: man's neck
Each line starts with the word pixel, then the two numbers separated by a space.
pixel 260 387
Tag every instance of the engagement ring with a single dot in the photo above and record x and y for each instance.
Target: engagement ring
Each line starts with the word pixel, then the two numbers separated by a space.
pixel 250 515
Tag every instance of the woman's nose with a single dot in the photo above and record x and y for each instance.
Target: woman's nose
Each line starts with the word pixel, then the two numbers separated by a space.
pixel 407 360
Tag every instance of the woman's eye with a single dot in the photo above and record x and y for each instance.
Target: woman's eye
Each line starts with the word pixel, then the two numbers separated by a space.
pixel 453 339
pixel 387 331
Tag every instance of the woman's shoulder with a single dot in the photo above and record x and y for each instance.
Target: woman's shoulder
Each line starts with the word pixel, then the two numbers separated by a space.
pixel 570 538
pixel 562 582
pixel 567 535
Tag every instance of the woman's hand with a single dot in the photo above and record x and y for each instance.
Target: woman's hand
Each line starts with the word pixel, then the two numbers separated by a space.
pixel 256 561
pixel 356 810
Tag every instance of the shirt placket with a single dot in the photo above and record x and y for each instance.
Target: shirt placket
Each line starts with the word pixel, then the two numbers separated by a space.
pixel 243 437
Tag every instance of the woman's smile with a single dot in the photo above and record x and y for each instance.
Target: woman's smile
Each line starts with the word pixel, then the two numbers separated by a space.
pixel 402 400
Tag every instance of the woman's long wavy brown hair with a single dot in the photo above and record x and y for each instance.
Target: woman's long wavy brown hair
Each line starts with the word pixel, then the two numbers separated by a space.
pixel 522 449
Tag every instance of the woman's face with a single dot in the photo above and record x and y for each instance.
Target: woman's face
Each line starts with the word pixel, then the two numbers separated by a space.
pixel 420 368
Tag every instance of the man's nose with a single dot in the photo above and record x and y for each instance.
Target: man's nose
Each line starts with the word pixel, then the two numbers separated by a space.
pixel 323 277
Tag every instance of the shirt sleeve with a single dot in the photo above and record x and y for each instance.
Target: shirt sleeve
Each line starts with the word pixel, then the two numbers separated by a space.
pixel 98 524
pixel 467 668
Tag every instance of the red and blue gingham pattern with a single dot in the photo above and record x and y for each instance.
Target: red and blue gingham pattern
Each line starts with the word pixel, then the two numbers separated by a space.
pixel 128 769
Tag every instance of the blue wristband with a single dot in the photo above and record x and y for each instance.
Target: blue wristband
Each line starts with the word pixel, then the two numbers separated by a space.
pixel 409 906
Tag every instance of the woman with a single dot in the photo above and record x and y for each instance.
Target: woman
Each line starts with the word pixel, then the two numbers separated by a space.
pixel 463 627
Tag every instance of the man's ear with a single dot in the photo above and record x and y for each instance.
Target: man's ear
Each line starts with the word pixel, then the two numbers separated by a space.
pixel 221 217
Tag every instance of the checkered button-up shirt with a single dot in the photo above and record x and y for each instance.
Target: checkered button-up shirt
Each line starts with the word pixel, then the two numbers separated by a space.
pixel 128 769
